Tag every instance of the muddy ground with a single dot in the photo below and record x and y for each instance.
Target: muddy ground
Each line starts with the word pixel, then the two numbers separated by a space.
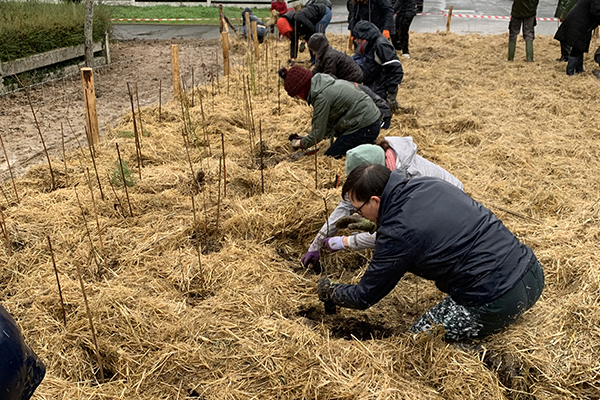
pixel 145 62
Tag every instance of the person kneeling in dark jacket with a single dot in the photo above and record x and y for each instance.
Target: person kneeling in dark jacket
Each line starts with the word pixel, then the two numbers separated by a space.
pixel 431 228
pixel 261 29
pixel 382 70
pixel 333 62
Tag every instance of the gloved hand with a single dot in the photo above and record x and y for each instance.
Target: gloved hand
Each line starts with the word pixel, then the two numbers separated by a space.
pixel 296 141
pixel 391 100
pixel 302 46
pixel 385 122
pixel 386 33
pixel 356 222
pixel 324 289
pixel 311 257
pixel 335 243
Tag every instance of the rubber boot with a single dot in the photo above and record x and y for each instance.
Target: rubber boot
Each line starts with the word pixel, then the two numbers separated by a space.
pixel 579 66
pixel 512 46
pixel 571 65
pixel 529 50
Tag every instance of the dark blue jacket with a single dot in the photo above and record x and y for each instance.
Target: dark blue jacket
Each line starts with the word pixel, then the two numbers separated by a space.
pixel 433 229
pixel 382 70
pixel 576 30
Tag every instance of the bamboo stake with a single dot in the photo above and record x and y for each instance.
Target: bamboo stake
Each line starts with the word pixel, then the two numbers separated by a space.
pixel 5 233
pixel 89 182
pixel 224 167
pixel 92 155
pixel 135 133
pixel 89 314
pixel 12 177
pixel 62 136
pixel 62 302
pixel 219 195
pixel 117 197
pixel 198 244
pixel 141 133
pixel 159 100
pixel 124 181
pixel 193 87
pixel 42 139
pixel 262 165
pixel 175 70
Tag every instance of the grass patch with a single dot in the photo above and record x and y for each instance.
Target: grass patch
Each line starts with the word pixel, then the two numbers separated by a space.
pixel 166 11
pixel 28 28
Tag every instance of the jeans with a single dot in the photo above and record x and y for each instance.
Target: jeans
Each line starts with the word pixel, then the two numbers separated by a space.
pixel 366 135
pixel 324 22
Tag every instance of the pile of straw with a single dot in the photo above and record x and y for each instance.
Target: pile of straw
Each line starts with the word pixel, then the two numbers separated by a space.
pixel 242 319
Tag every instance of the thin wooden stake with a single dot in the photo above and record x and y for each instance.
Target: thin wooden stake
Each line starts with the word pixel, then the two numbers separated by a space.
pixel 279 92
pixel 160 100
pixel 92 155
pixel 219 195
pixel 124 181
pixel 175 70
pixel 89 182
pixel 3 192
pixel 5 234
pixel 138 152
pixel 141 133
pixel 206 140
pixel 62 136
pixel 225 44
pixel 193 87
pixel 198 244
pixel 316 165
pixel 117 197
pixel 62 302
pixel 42 139
pixel 12 178
pixel 89 314
pixel 262 165
pixel 255 38
pixel 224 167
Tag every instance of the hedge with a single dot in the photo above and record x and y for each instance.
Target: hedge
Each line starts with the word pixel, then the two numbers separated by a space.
pixel 28 28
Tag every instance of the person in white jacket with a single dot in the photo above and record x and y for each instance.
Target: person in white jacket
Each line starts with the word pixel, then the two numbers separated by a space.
pixel 393 152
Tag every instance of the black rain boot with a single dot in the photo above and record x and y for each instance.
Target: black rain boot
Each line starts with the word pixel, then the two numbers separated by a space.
pixel 579 66
pixel 571 65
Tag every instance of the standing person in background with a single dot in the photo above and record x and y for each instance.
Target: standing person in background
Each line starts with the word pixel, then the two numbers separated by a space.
pixel 576 31
pixel 301 24
pixel 562 9
pixel 278 8
pixel 405 11
pixel 379 12
pixel 324 22
pixel 382 70
pixel 341 111
pixel 522 14
pixel 392 152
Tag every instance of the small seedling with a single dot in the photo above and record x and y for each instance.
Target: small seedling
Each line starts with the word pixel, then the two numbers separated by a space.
pixel 116 178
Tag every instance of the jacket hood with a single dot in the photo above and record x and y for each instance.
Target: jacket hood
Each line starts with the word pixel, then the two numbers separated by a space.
pixel 366 30
pixel 318 44
pixel 317 84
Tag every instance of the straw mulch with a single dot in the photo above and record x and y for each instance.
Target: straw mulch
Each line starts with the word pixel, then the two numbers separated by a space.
pixel 243 319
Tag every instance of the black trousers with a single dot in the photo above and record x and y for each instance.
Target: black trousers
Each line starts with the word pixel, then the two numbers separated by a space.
pixel 400 39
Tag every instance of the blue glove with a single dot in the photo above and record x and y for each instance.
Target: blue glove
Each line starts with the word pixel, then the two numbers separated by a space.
pixel 335 243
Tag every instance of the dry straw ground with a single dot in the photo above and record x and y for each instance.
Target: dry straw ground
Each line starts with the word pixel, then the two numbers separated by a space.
pixel 246 323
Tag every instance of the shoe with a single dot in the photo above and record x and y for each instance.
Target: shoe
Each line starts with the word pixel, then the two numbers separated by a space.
pixel 406 55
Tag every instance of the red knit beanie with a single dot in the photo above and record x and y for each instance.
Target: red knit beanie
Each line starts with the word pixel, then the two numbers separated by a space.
pixel 296 80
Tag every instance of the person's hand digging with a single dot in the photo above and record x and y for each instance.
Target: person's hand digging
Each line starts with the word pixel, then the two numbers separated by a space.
pixel 357 223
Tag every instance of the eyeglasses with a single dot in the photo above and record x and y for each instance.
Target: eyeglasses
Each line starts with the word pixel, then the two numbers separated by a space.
pixel 359 208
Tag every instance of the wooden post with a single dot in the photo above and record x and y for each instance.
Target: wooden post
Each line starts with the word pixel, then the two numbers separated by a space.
pixel 248 29
pixel 255 38
pixel 89 96
pixel 106 49
pixel 225 40
pixel 221 24
pixel 597 32
pixel 449 18
pixel 175 69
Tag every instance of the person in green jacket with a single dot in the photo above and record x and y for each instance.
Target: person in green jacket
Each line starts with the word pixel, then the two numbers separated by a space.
pixel 341 111
pixel 562 9
pixel 522 14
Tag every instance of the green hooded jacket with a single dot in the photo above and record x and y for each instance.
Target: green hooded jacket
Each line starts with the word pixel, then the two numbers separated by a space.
pixel 524 8
pixel 563 7
pixel 339 108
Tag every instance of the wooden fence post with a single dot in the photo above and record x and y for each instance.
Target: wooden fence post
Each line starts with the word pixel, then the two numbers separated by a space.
pixel 89 96
pixel 175 69
pixel 449 18
pixel 225 40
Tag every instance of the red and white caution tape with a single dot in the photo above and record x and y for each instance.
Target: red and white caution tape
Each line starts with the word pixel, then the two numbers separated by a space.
pixel 491 16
